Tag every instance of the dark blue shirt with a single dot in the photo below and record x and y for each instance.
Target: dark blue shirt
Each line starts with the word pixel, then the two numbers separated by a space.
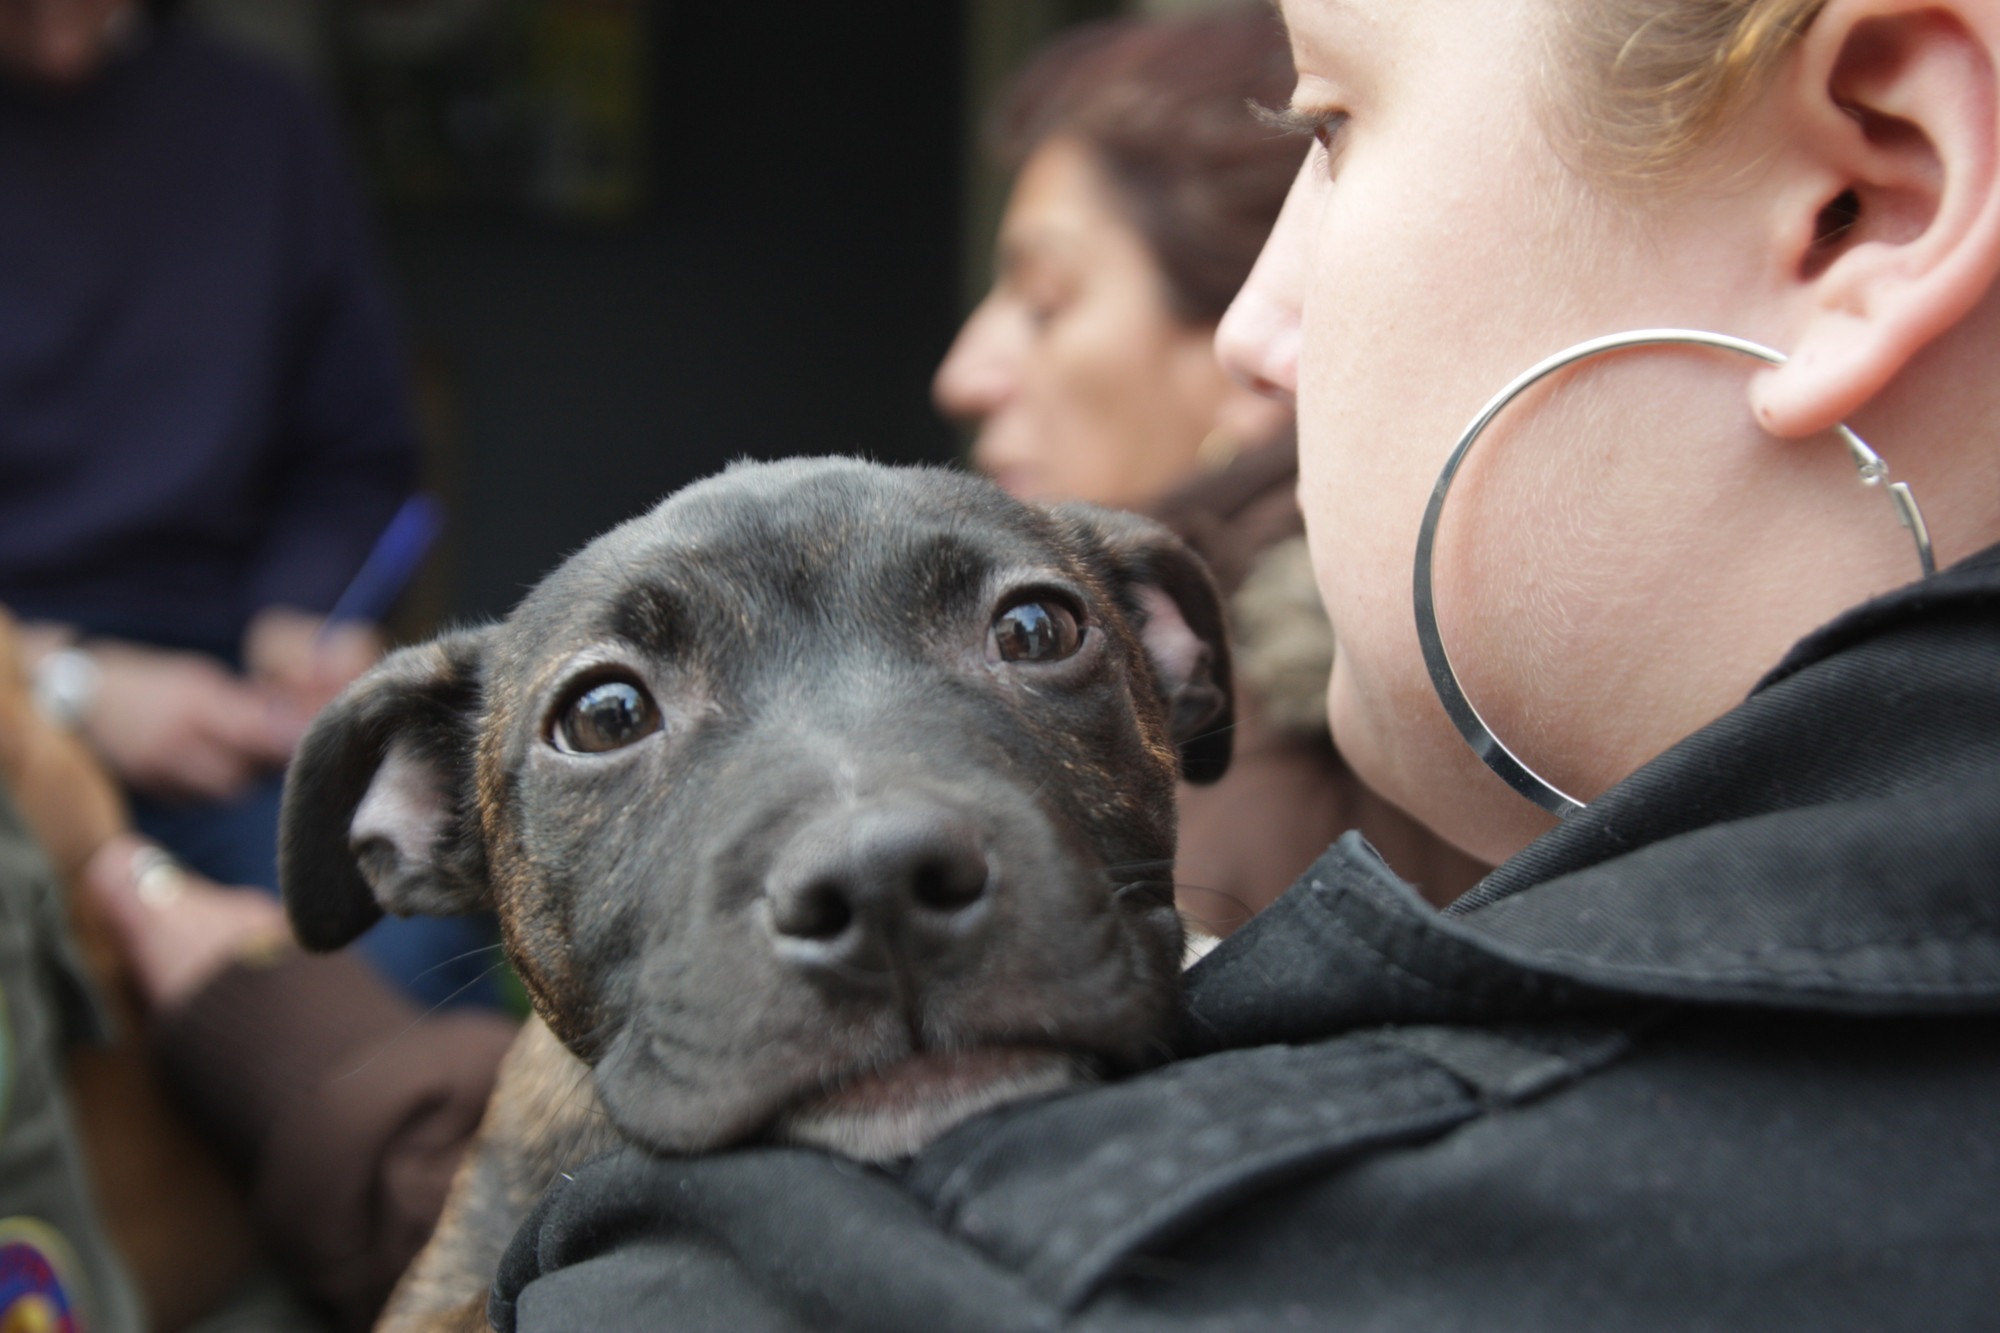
pixel 202 404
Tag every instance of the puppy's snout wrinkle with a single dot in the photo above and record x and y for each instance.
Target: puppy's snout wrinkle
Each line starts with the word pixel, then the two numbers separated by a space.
pixel 881 891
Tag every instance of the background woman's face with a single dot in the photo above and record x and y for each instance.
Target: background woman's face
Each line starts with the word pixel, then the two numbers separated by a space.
pixel 1591 565
pixel 1083 382
pixel 58 42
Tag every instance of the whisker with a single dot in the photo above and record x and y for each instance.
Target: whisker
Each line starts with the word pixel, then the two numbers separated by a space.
pixel 1213 731
pixel 1211 925
pixel 412 1024
pixel 1229 910
pixel 1183 886
pixel 1161 863
pixel 1220 912
pixel 569 1099
pixel 1158 888
pixel 456 958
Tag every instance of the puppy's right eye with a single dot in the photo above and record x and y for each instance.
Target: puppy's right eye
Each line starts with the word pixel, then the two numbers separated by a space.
pixel 1043 630
pixel 609 715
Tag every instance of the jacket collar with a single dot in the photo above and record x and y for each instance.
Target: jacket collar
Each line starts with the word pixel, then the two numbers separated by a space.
pixel 1831 844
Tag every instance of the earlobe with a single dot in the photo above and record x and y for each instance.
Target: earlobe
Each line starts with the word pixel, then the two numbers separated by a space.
pixel 1894 232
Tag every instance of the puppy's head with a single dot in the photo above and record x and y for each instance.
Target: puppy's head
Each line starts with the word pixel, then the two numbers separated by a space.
pixel 827 799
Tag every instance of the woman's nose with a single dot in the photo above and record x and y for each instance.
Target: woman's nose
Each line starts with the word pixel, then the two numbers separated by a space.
pixel 1258 339
pixel 978 374
pixel 1258 343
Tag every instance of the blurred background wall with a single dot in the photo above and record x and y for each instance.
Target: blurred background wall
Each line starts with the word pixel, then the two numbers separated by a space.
pixel 636 239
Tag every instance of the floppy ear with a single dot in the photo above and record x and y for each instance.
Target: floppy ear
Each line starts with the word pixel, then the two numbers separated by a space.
pixel 1178 614
pixel 379 812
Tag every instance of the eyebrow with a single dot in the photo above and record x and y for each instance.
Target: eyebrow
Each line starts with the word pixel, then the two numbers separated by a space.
pixel 1339 9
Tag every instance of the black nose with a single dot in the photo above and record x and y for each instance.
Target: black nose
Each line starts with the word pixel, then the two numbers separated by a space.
pixel 867 893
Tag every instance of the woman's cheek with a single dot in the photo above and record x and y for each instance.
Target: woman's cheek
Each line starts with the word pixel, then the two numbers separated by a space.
pixel 1095 412
pixel 1364 729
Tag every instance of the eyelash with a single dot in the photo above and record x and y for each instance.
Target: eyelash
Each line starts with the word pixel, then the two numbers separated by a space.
pixel 1324 126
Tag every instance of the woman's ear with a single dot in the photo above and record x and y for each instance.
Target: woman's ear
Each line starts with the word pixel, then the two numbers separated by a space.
pixel 1893 232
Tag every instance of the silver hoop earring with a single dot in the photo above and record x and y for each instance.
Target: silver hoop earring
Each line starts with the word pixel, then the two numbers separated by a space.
pixel 1489 747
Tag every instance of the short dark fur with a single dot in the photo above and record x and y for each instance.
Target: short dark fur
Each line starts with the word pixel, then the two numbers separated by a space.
pixel 816 636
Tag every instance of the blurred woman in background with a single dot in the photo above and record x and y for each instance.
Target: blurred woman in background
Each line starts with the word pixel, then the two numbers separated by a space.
pixel 1145 185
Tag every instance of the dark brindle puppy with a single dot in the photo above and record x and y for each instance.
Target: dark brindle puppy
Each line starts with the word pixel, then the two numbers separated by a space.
pixel 827 803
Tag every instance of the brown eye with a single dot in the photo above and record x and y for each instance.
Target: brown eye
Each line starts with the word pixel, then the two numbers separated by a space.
pixel 1044 631
pixel 606 716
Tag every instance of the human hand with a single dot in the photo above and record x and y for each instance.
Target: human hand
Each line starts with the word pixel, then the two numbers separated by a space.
pixel 303 660
pixel 178 725
pixel 176 930
pixel 36 639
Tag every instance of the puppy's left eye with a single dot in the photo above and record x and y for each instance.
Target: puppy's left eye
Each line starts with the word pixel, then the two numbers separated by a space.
pixel 609 715
pixel 1039 631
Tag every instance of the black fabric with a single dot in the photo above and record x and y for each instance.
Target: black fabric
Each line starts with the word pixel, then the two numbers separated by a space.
pixel 1719 1052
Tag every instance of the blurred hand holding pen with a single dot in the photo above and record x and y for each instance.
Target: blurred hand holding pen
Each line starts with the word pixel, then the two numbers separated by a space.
pixel 393 561
pixel 306 659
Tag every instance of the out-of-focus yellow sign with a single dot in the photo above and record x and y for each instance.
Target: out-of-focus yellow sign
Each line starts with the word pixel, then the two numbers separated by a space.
pixel 540 105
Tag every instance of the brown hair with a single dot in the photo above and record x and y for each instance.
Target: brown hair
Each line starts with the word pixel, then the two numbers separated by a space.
pixel 1164 105
pixel 1663 77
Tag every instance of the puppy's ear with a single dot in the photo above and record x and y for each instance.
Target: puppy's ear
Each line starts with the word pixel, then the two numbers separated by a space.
pixel 379 812
pixel 1178 614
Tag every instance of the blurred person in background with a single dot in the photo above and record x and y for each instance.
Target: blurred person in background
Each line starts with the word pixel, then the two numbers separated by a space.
pixel 321 1114
pixel 1145 185
pixel 203 425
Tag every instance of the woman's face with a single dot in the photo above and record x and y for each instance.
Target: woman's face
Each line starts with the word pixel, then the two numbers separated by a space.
pixel 59 43
pixel 1083 382
pixel 1625 553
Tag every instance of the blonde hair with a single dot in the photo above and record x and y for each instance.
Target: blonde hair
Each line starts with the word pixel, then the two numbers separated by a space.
pixel 1660 79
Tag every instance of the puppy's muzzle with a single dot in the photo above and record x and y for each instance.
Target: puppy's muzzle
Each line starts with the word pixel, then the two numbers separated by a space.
pixel 885 893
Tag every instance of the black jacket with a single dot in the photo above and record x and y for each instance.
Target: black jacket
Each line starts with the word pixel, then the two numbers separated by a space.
pixel 1718 1053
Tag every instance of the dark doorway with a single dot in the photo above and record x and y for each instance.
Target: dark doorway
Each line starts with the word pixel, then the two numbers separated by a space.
pixel 787 287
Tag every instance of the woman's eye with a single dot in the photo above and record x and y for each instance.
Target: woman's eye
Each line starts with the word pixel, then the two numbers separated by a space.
pixel 605 717
pixel 1036 632
pixel 1327 127
pixel 1041 306
pixel 1040 294
pixel 1327 132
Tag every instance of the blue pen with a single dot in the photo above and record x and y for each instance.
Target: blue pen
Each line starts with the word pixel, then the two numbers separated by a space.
pixel 391 562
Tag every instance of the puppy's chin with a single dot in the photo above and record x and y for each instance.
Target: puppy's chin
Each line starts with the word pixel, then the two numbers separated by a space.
pixel 895 1111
